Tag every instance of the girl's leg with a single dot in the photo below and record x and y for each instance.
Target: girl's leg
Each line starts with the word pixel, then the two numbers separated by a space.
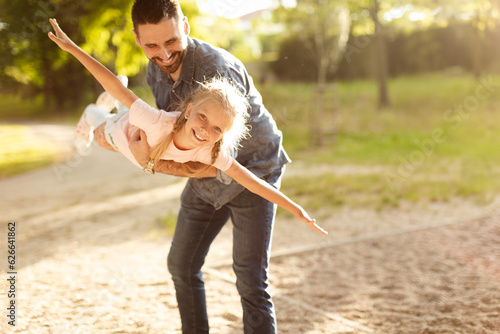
pixel 96 114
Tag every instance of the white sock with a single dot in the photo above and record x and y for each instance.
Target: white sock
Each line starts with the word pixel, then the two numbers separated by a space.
pixel 95 116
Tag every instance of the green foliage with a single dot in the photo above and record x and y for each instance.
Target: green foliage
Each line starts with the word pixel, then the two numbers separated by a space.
pixel 108 35
pixel 319 29
pixel 31 64
pixel 32 60
pixel 459 34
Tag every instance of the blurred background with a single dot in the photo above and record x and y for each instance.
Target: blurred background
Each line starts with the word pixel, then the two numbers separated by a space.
pixel 406 90
pixel 390 111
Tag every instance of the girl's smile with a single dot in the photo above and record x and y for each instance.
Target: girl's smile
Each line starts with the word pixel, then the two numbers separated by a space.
pixel 205 125
pixel 198 137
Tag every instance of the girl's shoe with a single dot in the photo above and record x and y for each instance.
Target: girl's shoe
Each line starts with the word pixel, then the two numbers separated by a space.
pixel 95 114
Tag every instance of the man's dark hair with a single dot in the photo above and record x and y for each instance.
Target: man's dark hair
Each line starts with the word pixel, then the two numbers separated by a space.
pixel 153 11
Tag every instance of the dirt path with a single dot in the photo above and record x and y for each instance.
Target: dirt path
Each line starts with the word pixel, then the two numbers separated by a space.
pixel 91 259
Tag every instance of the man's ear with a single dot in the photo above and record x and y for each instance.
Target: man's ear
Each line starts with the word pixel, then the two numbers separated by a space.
pixel 137 38
pixel 187 27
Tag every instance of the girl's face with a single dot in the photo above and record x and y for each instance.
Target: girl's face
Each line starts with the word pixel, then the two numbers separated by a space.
pixel 206 124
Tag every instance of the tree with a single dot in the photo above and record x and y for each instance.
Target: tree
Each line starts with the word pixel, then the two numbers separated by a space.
pixel 34 65
pixel 29 58
pixel 381 56
pixel 322 27
pixel 470 18
pixel 374 9
pixel 107 31
pixel 480 14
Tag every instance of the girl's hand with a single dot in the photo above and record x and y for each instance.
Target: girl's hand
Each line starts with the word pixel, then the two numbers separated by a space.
pixel 60 38
pixel 304 217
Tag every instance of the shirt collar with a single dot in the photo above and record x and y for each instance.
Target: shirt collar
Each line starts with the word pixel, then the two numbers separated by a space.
pixel 187 70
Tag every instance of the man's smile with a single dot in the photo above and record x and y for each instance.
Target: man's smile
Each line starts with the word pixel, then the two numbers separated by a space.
pixel 169 61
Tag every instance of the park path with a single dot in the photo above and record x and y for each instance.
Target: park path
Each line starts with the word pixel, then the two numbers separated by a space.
pixel 91 258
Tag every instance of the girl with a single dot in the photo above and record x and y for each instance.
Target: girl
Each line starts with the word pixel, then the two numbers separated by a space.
pixel 214 112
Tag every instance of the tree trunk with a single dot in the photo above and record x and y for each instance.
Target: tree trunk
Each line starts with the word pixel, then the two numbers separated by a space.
pixel 381 58
pixel 47 81
pixel 317 115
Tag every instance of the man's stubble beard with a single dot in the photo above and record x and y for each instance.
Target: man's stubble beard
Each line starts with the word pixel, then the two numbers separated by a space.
pixel 173 67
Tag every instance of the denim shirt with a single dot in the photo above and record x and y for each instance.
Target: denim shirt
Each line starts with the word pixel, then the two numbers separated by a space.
pixel 262 152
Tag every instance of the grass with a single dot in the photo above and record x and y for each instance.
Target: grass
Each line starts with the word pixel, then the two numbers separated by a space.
pixel 15 107
pixel 21 151
pixel 434 143
pixel 167 223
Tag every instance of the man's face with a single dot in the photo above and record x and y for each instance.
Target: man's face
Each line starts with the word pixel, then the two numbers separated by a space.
pixel 165 43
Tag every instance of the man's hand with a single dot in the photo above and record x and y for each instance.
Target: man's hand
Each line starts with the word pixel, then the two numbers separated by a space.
pixel 100 139
pixel 140 148
pixel 142 152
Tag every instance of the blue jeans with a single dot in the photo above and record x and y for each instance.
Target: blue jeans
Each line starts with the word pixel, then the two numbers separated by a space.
pixel 198 224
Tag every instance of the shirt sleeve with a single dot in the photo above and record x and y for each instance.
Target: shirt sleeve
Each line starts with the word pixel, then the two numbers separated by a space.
pixel 224 161
pixel 144 116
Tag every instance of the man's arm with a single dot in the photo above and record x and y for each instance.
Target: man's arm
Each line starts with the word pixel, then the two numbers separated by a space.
pixel 142 151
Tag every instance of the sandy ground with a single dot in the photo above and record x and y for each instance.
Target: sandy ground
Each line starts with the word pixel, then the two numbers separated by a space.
pixel 90 258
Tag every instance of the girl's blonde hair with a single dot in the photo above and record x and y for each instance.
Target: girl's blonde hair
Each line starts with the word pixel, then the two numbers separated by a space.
pixel 221 92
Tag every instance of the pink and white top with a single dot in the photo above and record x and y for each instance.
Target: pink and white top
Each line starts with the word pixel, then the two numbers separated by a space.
pixel 158 124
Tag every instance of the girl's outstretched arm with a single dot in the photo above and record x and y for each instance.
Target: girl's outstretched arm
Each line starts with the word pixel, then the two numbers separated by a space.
pixel 248 180
pixel 108 80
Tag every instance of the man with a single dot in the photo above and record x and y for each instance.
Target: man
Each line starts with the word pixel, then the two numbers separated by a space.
pixel 178 63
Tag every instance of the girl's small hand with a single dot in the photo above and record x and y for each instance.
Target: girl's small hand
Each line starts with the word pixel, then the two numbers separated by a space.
pixel 304 217
pixel 60 38
pixel 312 224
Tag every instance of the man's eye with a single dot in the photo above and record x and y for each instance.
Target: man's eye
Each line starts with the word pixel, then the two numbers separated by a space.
pixel 203 117
pixel 170 42
pixel 218 129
